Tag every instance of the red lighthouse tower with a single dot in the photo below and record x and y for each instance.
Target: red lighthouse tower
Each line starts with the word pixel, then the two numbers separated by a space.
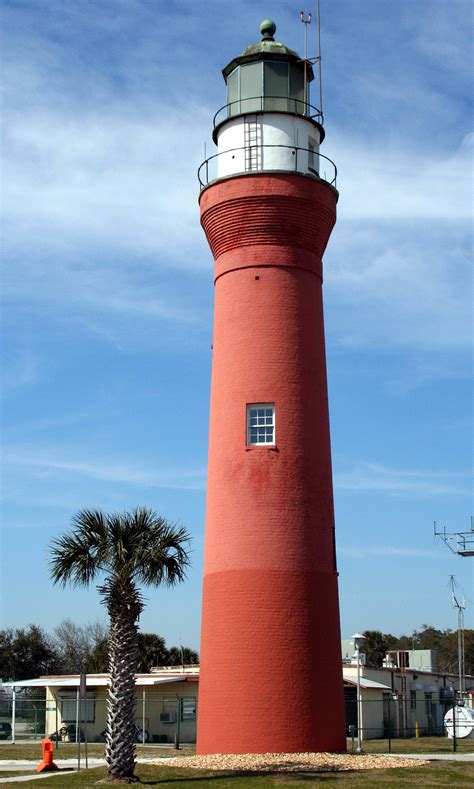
pixel 271 677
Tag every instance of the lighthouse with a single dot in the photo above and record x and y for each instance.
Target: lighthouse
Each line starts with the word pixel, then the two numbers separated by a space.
pixel 271 671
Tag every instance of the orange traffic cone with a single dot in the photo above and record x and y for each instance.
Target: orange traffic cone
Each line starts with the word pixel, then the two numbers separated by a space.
pixel 47 764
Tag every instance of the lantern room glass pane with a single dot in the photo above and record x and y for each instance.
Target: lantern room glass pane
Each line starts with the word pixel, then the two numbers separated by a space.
pixel 233 93
pixel 251 87
pixel 276 86
pixel 297 90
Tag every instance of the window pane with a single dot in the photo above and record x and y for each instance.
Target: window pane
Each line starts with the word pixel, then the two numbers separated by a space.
pixel 297 89
pixel 251 87
pixel 313 159
pixel 261 424
pixel 188 709
pixel 233 92
pixel 276 86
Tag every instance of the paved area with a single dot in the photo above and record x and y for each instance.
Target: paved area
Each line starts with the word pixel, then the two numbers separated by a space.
pixel 446 757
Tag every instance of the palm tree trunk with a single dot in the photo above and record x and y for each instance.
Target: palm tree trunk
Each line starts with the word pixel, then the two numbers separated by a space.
pixel 124 607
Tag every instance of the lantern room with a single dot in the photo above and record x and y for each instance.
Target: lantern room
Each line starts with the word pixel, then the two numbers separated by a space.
pixel 268 123
pixel 267 76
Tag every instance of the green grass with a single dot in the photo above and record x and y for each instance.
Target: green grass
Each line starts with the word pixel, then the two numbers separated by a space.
pixel 447 774
pixel 415 745
pixel 68 750
pixel 426 745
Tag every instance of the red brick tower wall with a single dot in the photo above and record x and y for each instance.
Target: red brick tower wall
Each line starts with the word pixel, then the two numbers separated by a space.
pixel 271 676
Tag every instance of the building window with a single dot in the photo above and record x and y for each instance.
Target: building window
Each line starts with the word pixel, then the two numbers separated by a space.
pixel 188 708
pixel 69 709
pixel 413 699
pixel 261 423
pixel 428 704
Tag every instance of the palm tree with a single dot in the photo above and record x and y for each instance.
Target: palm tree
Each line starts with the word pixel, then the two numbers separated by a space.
pixel 138 547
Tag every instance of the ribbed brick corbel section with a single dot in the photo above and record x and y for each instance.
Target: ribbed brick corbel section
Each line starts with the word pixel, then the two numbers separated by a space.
pixel 268 220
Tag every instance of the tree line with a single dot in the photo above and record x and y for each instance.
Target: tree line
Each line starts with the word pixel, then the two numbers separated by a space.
pixel 377 644
pixel 29 652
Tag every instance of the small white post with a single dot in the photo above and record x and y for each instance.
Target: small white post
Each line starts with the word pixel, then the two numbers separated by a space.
pixel 13 714
pixel 358 637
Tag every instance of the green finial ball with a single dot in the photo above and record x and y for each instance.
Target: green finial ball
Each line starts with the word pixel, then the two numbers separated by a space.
pixel 268 28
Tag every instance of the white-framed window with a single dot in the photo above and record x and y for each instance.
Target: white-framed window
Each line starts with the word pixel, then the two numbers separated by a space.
pixel 260 423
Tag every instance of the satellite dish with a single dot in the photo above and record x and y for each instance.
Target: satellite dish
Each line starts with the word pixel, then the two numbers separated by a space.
pixel 464 722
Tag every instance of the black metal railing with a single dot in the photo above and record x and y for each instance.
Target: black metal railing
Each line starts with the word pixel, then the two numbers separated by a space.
pixel 254 162
pixel 252 104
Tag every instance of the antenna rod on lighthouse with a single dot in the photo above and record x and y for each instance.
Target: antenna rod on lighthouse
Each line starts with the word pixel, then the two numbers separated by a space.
pixel 318 58
pixel 306 22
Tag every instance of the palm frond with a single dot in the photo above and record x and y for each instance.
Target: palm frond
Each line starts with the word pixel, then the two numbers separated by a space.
pixel 139 544
pixel 78 556
pixel 162 554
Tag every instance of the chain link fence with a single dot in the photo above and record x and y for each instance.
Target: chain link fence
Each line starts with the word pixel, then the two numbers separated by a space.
pixel 396 723
pixel 163 719
pixel 413 722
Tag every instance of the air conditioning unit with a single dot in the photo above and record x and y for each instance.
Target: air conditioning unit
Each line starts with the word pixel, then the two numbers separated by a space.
pixel 167 717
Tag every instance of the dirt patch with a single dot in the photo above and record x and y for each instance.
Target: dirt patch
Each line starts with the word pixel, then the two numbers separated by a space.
pixel 290 762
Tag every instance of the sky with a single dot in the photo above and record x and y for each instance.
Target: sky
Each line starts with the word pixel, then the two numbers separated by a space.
pixel 107 289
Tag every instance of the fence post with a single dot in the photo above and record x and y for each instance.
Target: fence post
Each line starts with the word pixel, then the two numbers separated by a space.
pixel 389 725
pixel 56 716
pixel 13 714
pixel 78 739
pixel 455 745
pixel 178 718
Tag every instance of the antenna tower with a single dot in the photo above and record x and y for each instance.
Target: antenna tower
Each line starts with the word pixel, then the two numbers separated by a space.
pixel 460 607
pixel 317 60
pixel 460 542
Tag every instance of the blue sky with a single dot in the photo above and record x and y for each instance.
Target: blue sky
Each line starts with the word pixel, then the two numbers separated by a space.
pixel 107 288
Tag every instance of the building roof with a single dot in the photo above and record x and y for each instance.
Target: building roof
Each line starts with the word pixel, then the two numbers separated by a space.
pixel 369 684
pixel 98 680
pixel 95 680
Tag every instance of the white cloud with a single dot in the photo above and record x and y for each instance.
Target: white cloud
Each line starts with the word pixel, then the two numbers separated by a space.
pixel 398 182
pixel 366 476
pixel 100 168
pixel 384 551
pixel 104 180
pixel 107 471
pixel 403 284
